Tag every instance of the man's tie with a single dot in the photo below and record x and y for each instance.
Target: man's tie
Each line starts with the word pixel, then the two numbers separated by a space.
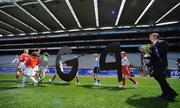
pixel 157 52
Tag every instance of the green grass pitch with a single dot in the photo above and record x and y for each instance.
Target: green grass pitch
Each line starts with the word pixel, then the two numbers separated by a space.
pixel 85 95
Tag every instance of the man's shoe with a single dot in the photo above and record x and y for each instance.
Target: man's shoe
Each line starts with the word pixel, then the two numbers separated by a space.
pixel 162 96
pixel 175 94
pixel 170 97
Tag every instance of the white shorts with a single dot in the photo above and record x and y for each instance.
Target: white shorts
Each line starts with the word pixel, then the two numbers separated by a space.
pixel 36 69
pixel 29 71
pixel 21 66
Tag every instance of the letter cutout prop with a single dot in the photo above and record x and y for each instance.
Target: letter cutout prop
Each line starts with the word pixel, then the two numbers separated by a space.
pixel 115 49
pixel 72 62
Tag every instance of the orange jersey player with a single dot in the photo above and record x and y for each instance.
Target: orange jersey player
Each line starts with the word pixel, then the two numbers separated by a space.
pixel 29 71
pixel 23 57
pixel 32 61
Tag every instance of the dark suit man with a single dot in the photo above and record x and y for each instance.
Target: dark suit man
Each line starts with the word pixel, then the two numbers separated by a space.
pixel 159 65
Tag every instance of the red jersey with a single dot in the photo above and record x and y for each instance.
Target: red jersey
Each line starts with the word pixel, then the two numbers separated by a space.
pixel 32 62
pixel 23 57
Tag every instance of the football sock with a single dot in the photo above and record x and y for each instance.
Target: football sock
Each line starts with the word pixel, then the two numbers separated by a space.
pixel 94 79
pixel 17 76
pixel 40 76
pixel 98 81
pixel 77 80
pixel 36 74
pixel 32 78
pixel 43 74
pixel 53 78
pixel 132 79
pixel 24 80
pixel 123 81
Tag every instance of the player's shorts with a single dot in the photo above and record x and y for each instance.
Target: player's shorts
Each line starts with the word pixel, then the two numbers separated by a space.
pixel 36 69
pixel 96 70
pixel 21 66
pixel 125 71
pixel 29 71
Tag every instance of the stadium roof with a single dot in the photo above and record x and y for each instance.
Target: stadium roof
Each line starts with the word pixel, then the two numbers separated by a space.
pixel 26 17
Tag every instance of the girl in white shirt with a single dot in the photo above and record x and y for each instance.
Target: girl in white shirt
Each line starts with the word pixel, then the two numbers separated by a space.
pixel 126 70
